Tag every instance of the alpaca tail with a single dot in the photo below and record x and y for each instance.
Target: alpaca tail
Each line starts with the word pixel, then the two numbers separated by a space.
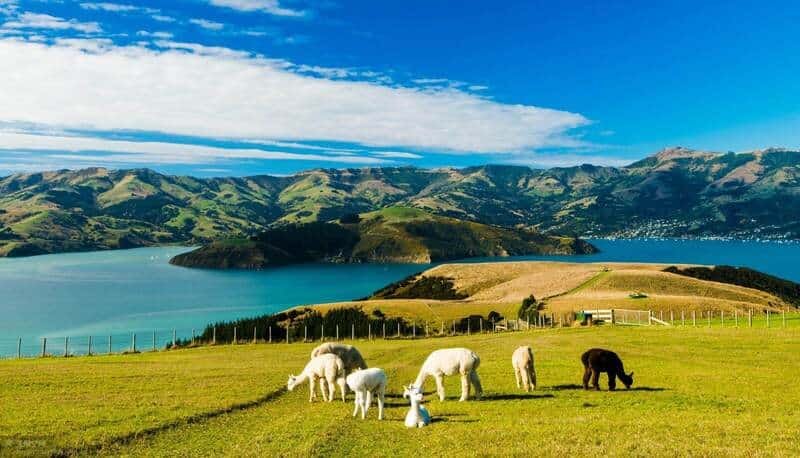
pixel 476 361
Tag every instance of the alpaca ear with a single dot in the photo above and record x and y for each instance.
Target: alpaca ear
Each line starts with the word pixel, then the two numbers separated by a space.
pixel 630 375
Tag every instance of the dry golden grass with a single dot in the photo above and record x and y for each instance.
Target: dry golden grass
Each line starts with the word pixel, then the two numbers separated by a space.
pixel 501 286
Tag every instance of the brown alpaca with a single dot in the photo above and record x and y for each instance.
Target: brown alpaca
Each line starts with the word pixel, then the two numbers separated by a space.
pixel 598 360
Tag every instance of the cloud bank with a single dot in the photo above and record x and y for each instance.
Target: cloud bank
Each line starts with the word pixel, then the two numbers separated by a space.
pixel 192 90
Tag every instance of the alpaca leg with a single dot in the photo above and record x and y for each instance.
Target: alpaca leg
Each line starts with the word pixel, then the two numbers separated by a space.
pixel 323 389
pixel 358 403
pixel 343 386
pixel 381 396
pixel 367 403
pixel 331 390
pixel 312 386
pixel 533 378
pixel 464 387
pixel 439 386
pixel 612 381
pixel 596 380
pixel 587 373
pixel 476 382
pixel 516 376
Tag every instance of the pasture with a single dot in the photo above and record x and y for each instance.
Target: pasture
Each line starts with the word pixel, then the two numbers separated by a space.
pixel 697 391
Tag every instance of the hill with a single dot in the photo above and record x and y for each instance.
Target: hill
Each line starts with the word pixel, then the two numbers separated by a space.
pixel 480 288
pixel 675 193
pixel 390 235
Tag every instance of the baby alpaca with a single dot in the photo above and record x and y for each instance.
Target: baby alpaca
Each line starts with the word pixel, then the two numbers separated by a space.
pixel 366 383
pixel 418 415
pixel 522 360
pixel 451 361
pixel 350 355
pixel 328 369
pixel 598 360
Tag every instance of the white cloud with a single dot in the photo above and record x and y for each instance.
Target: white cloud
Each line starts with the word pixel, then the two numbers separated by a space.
pixel 189 89
pixel 206 24
pixel 396 154
pixel 160 35
pixel 163 18
pixel 86 149
pixel 117 8
pixel 45 21
pixel 266 6
pixel 8 6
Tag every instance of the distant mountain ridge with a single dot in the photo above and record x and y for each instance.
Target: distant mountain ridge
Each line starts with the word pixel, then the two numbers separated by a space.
pixel 674 193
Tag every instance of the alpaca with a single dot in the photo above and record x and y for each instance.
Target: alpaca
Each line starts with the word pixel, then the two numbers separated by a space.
pixel 349 354
pixel 598 360
pixel 522 360
pixel 328 369
pixel 366 383
pixel 417 415
pixel 451 361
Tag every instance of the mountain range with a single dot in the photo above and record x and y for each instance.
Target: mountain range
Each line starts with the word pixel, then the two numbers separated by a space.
pixel 677 192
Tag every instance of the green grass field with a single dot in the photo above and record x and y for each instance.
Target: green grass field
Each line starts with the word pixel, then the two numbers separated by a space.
pixel 697 392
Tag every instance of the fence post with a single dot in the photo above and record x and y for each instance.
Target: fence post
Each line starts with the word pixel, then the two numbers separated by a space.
pixel 214 335
pixel 369 330
pixel 441 331
pixel 174 338
pixel 234 335
pixel 783 317
pixel 683 318
pixel 750 318
pixel 287 332
pixel 19 347
pixel 384 330
pixel 44 346
pixel 255 334
pixel 133 341
pixel 767 317
pixel 154 341
pixel 671 317
pixel 413 330
pixel 90 346
pixel 722 318
pixel 270 332
pixel 480 322
pixel 337 332
pixel 427 334
pixel 736 317
pixel 398 328
pixel 352 331
pixel 192 341
pixel 109 344
pixel 694 318
pixel 66 346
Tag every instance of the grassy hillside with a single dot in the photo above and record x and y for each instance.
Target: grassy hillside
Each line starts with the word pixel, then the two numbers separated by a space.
pixel 393 234
pixel 563 287
pixel 230 400
pixel 675 193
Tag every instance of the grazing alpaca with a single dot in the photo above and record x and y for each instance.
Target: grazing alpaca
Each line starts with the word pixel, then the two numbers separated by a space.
pixel 365 383
pixel 328 369
pixel 451 361
pixel 418 415
pixel 522 360
pixel 598 360
pixel 349 354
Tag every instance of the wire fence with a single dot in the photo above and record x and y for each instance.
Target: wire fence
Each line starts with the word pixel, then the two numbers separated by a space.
pixel 165 339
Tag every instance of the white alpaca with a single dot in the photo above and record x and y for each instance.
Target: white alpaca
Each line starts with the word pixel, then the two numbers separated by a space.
pixel 349 354
pixel 524 370
pixel 418 415
pixel 451 361
pixel 328 369
pixel 366 383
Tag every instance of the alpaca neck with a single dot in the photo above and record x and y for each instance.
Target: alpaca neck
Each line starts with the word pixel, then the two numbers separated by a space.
pixel 420 379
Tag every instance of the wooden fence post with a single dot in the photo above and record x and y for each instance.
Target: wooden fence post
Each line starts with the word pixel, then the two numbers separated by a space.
pixel 369 331
pixel 671 317
pixel 214 335
pixel 694 318
pixel 683 318
pixel 109 344
pixel 709 318
pixel 19 347
pixel 454 327
pixel 736 317
pixel 441 331
pixel 722 318
pixel 133 341
pixel 44 346
pixel 192 341
pixel 154 341
pixel 270 332
pixel 255 334
pixel 235 330
pixel 413 330
pixel 174 338
pixel 750 318
pixel 398 328
pixel 287 332
pixel 783 317
pixel 352 331
pixel 337 332
pixel 66 346
pixel 384 330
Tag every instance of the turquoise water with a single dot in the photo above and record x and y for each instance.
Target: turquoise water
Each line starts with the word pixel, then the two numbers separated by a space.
pixel 121 292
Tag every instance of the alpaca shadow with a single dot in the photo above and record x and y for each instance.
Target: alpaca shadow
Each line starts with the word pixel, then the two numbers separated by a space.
pixel 446 419
pixel 645 388
pixel 515 396
pixel 569 386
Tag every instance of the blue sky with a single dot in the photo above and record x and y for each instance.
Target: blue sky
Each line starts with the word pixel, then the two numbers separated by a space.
pixel 237 87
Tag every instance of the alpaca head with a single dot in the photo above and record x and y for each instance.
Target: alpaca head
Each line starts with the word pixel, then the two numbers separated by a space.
pixel 413 393
pixel 627 379
pixel 291 383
